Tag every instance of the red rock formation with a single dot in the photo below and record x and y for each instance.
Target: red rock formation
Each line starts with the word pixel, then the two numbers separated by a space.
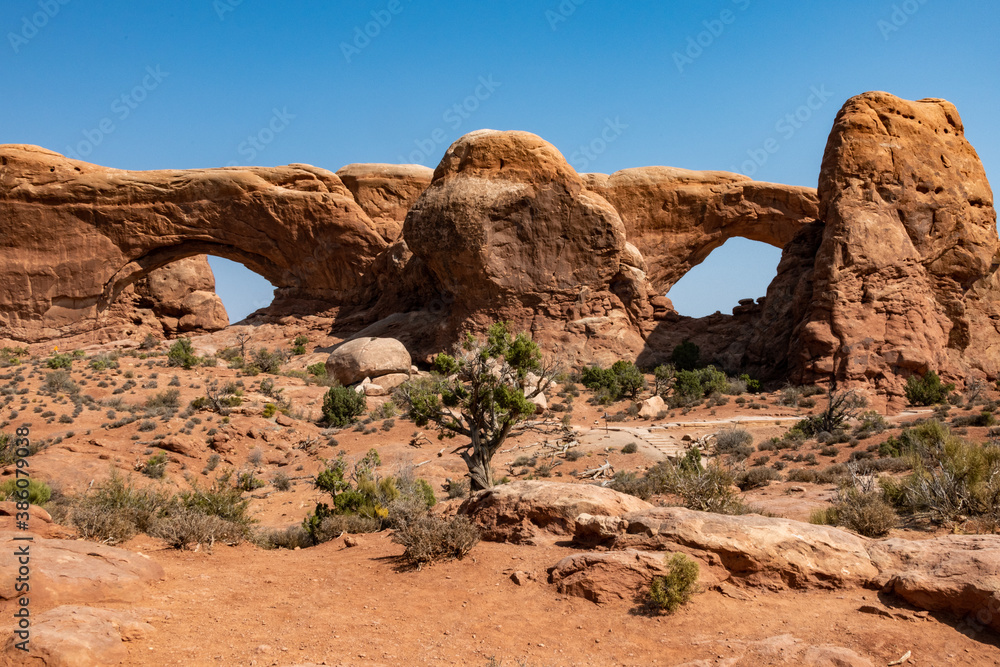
pixel 907 257
pixel 76 235
pixel 386 192
pixel 181 297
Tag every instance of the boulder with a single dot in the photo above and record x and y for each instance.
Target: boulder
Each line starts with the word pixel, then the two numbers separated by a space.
pixel 361 358
pixel 75 636
pixel 652 407
pixel 70 571
pixel 523 511
pixel 760 550
pixel 184 445
pixel 607 576
pixel 959 574
pixel 183 293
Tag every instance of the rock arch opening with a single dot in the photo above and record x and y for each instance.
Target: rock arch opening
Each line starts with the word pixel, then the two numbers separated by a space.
pixel 241 290
pixel 738 269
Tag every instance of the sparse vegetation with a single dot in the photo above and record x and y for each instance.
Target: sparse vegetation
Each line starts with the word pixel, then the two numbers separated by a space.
pixel 622 380
pixel 181 353
pixel 678 586
pixel 342 406
pixel 927 390
pixel 430 538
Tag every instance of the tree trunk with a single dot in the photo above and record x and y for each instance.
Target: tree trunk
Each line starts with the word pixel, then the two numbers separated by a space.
pixel 480 472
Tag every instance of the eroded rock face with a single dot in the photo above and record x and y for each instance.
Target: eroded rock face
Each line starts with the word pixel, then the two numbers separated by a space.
pixel 386 192
pixel 181 296
pixel 77 235
pixel 508 230
pixel 907 252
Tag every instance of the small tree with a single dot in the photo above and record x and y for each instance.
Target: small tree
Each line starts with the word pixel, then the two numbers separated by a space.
pixel 487 398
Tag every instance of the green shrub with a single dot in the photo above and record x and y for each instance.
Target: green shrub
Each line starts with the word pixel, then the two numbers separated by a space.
pixel 115 510
pixel 866 513
pixel 757 477
pixel 104 361
pixel 342 405
pixel 736 441
pixel 299 345
pixel 268 362
pixel 155 466
pixel 621 380
pixel 753 386
pixel 37 492
pixel 317 369
pixel 181 353
pixel 630 448
pixel 431 538
pixel 60 361
pixel 678 586
pixel 927 390
pixel 445 364
pixel 169 398
pixel 269 410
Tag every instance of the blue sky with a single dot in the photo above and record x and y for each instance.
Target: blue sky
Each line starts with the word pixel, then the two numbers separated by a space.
pixel 144 85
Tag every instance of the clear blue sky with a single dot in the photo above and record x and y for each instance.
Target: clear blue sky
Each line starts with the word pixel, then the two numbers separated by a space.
pixel 559 69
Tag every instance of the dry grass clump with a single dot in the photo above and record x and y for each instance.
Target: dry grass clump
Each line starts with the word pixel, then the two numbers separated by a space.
pixel 431 538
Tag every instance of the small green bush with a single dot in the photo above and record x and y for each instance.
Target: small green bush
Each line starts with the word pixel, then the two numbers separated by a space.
pixel 155 466
pixel 60 361
pixel 318 369
pixel 445 364
pixel 37 491
pixel 630 448
pixel 181 353
pixel 678 586
pixel 927 390
pixel 269 410
pixel 342 405
pixel 623 379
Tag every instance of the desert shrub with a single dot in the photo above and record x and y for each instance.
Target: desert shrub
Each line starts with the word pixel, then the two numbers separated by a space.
pixel 255 456
pixel 431 538
pixel 281 481
pixel 790 396
pixel 458 488
pixel 164 399
pixel 870 423
pixel 841 407
pixel 630 448
pixel 736 441
pixel 115 510
pixel 707 489
pixel 752 386
pixel 212 462
pixel 184 526
pixel 268 362
pixel 181 353
pixel 289 538
pixel 269 410
pixel 927 390
pixel 757 477
pixel 678 586
pixel 59 361
pixel 386 410
pixel 342 405
pixel 686 356
pixel 222 499
pixel 445 364
pixel 36 492
pixel 60 381
pixel 801 475
pixel 155 466
pixel 249 481
pixel 104 361
pixel 867 513
pixel 299 345
pixel 317 369
pixel 984 418
pixel 629 482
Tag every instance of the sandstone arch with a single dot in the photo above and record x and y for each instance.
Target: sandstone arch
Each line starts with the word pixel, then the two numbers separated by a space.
pixel 76 235
pixel 677 217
